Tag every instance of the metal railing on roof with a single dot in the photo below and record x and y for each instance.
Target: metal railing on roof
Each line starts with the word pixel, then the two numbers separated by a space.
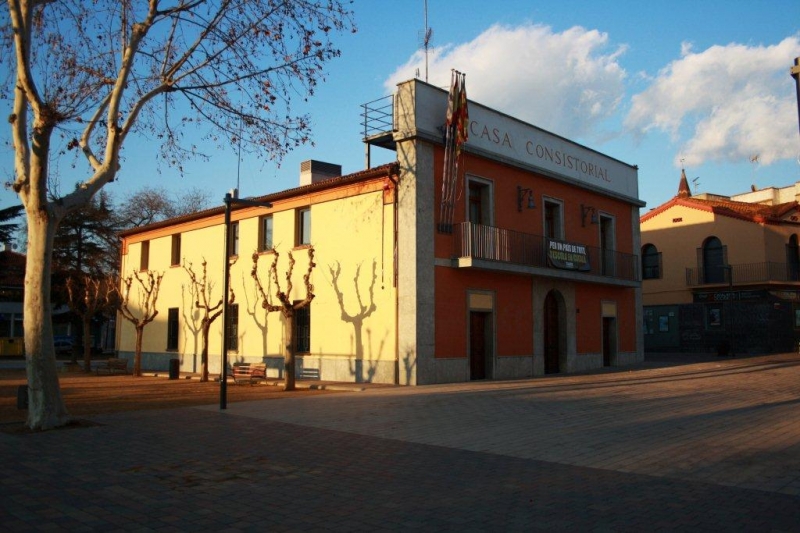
pixel 378 116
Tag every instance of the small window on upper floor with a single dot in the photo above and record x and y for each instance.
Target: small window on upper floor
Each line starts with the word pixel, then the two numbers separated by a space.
pixel 303 226
pixel 265 234
pixel 176 249
pixel 144 258
pixel 234 239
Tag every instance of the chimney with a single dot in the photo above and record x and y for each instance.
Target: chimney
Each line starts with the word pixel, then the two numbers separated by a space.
pixel 313 171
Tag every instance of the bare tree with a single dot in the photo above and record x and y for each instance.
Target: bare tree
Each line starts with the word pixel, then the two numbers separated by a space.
pixel 86 75
pixel 148 287
pixel 87 298
pixel 203 288
pixel 153 204
pixel 286 306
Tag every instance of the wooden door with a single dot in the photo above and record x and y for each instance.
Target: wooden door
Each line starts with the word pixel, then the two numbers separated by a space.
pixel 552 334
pixel 477 345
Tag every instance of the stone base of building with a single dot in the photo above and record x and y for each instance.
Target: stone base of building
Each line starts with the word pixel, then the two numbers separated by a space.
pixel 351 370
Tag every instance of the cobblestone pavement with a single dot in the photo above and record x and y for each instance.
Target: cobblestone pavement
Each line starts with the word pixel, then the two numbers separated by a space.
pixel 709 446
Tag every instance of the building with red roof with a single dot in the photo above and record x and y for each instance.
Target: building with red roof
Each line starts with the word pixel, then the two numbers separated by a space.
pixel 722 273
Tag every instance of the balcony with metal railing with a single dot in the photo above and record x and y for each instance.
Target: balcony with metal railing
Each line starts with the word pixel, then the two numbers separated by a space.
pixel 377 120
pixel 744 274
pixel 487 247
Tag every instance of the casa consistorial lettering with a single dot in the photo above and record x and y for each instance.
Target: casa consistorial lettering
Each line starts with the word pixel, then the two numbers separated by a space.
pixel 545 154
pixel 493 135
pixel 563 159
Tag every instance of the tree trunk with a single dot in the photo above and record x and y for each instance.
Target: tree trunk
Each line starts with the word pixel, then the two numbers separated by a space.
pixel 46 408
pixel 204 354
pixel 87 345
pixel 137 356
pixel 288 357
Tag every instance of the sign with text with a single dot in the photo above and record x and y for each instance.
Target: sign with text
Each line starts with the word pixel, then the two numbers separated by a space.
pixel 567 255
pixel 504 136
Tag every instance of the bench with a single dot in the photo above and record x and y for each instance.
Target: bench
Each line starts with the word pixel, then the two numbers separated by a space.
pixel 249 373
pixel 113 365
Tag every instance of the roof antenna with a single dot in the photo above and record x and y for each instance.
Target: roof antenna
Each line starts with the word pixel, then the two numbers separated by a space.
pixel 426 37
pixel 754 161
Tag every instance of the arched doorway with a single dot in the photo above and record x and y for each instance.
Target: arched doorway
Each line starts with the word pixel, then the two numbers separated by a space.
pixel 553 331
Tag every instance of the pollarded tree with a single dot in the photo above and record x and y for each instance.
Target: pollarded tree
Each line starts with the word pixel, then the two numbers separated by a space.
pixel 203 288
pixel 88 297
pixel 84 75
pixel 148 286
pixel 286 305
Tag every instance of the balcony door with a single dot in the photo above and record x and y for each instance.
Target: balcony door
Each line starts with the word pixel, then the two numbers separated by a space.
pixel 793 259
pixel 713 261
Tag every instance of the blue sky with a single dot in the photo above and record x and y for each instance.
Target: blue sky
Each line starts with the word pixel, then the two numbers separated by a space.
pixel 649 83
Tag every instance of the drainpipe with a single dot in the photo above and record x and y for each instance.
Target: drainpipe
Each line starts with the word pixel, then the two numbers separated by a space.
pixel 395 281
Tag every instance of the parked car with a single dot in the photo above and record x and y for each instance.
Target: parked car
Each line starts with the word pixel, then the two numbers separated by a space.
pixel 63 346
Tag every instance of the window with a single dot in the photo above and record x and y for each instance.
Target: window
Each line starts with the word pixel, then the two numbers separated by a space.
pixel 651 262
pixel 232 329
pixel 479 205
pixel 172 328
pixel 713 261
pixel 303 226
pixel 553 219
pixel 265 234
pixel 234 239
pixel 793 259
pixel 608 245
pixel 176 249
pixel 302 329
pixel 144 258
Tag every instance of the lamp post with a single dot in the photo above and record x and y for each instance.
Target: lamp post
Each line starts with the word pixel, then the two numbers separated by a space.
pixel 223 374
pixel 795 73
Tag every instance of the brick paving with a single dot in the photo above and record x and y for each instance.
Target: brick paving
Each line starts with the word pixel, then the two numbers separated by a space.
pixel 710 446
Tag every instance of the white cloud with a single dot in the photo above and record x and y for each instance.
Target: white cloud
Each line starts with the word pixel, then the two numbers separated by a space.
pixel 564 82
pixel 726 103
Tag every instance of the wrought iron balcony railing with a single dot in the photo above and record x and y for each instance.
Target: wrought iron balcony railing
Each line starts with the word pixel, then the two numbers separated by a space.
pixel 747 273
pixel 488 243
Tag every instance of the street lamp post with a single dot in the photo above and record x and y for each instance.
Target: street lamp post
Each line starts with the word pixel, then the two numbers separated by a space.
pixel 795 73
pixel 223 375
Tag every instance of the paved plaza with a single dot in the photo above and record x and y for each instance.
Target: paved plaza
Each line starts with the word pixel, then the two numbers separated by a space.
pixel 709 446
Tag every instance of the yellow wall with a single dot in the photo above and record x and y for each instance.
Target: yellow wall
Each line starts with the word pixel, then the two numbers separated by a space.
pixel 352 315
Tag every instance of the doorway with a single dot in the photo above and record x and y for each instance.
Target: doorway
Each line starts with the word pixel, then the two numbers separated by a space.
pixel 480 345
pixel 552 334
pixel 609 339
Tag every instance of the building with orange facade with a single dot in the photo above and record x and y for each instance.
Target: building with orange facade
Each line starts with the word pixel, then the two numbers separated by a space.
pixel 722 273
pixel 521 262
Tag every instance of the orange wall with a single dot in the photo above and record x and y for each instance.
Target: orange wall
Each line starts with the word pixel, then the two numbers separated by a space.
pixel 588 301
pixel 513 311
pixel 505 180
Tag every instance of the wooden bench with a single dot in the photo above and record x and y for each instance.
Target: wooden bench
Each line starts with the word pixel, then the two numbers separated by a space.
pixel 249 373
pixel 113 365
